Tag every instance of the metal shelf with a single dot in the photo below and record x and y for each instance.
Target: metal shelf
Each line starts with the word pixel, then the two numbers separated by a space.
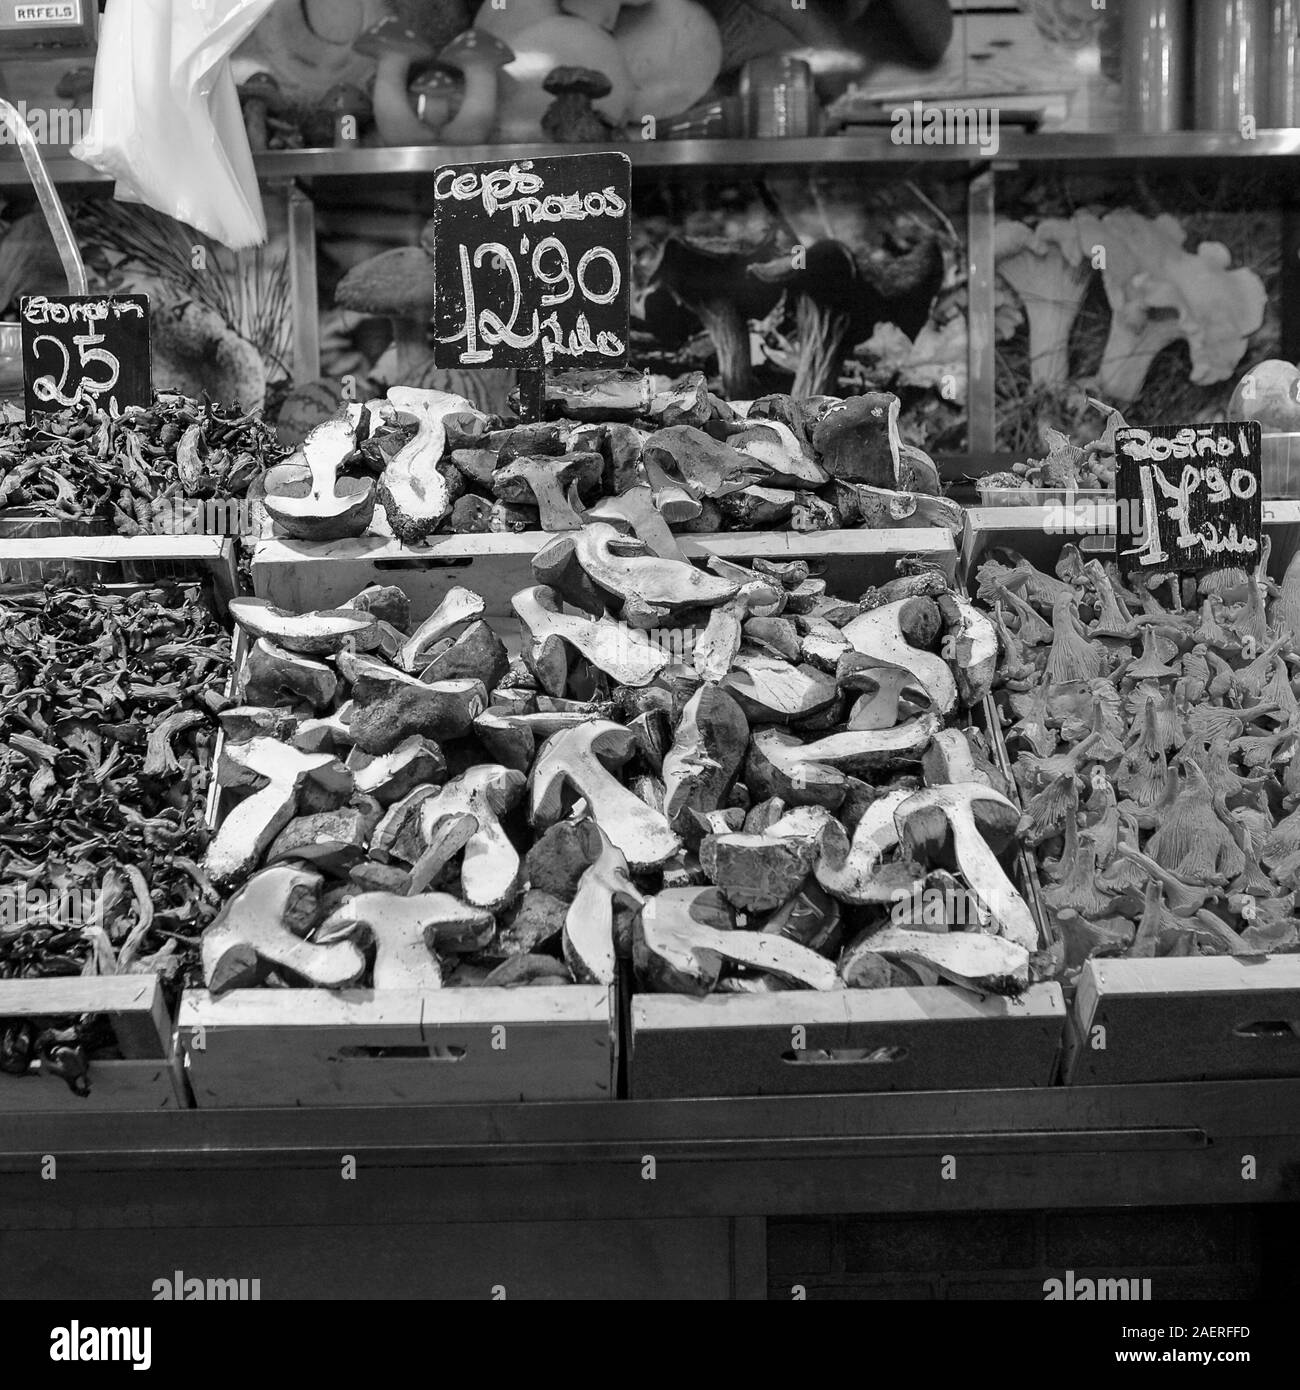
pixel 859 150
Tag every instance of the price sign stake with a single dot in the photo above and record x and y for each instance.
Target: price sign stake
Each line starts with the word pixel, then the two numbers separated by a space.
pixel 1188 497
pixel 82 346
pixel 531 266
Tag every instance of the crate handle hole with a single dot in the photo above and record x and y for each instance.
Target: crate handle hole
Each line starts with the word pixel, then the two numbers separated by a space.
pixel 381 1053
pixel 1269 1028
pixel 432 562
pixel 839 1056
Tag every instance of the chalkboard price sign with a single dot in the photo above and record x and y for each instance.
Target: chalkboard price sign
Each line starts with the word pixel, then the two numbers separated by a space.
pixel 1188 497
pixel 85 345
pixel 531 262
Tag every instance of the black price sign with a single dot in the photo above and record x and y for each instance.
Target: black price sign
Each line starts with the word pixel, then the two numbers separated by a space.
pixel 85 345
pixel 531 262
pixel 1188 497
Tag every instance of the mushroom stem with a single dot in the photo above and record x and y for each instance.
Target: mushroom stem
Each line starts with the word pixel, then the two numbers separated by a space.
pixel 395 118
pixel 726 327
pixel 477 117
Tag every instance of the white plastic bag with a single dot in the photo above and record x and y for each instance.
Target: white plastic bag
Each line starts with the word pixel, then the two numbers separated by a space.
pixel 167 124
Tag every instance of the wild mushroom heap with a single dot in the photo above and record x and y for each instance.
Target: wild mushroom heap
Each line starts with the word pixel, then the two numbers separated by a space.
pixel 1155 725
pixel 723 774
pixel 139 472
pixel 108 706
pixel 679 457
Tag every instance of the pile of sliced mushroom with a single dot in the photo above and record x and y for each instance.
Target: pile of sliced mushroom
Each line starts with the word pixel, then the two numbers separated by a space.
pixel 723 775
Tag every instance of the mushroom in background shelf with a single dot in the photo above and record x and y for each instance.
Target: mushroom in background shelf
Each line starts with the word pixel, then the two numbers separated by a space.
pixel 259 95
pixel 710 277
pixel 560 42
pixel 395 47
pixel 437 96
pixel 399 285
pixel 349 108
pixel 571 119
pixel 480 57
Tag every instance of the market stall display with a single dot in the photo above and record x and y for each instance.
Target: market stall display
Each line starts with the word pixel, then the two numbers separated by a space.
pixel 110 693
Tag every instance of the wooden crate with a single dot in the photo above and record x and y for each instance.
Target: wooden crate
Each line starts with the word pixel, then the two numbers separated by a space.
pixel 311 1047
pixel 145 1079
pixel 121 559
pixel 1201 1018
pixel 299 576
pixel 918 1039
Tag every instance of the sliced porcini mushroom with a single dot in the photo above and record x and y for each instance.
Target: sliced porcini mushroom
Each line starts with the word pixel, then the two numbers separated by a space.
pixel 848 870
pixel 716 647
pixel 959 804
pixel 883 688
pixel 260 928
pixel 309 634
pixel 273 676
pixel 757 508
pixel 308 500
pixel 974 960
pixel 407 932
pixel 819 642
pixel 512 738
pixel 414 491
pixel 545 482
pixel 623 654
pixel 776 447
pixel 794 768
pixel 528 969
pixel 707 751
pixel 665 951
pixel 456 606
pixel 682 402
pixel 757 873
pixel 556 565
pixel 775 767
pixel 651 588
pixel 447 838
pixel 477 654
pixel 331 841
pixel 577 761
pixel 883 509
pixel 857 439
pixel 768 688
pixel 240 723
pixel 775 637
pixel 612 393
pixel 386 602
pixel 327 734
pixel 244 835
pixel 400 832
pixel 975 654
pixel 636 507
pixel 701 465
pixel 950 758
pixel 810 917
pixel 389 706
pixel 878 633
pixel 388 777
pixel 588 935
pixel 490 866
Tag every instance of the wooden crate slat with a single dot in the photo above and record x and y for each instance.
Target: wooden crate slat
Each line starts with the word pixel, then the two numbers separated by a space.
pixel 741 1045
pixel 134 1004
pixel 1185 1019
pixel 266 1047
pixel 299 576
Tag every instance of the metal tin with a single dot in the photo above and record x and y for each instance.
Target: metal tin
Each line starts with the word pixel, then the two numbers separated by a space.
pixel 1283 106
pixel 1230 86
pixel 1155 59
pixel 778 98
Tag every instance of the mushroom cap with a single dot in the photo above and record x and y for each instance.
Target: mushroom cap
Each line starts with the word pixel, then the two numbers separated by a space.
pixel 345 99
pixel 392 36
pixel 474 47
pixel 435 79
pixel 397 284
pixel 260 84
pixel 76 82
pixel 586 81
